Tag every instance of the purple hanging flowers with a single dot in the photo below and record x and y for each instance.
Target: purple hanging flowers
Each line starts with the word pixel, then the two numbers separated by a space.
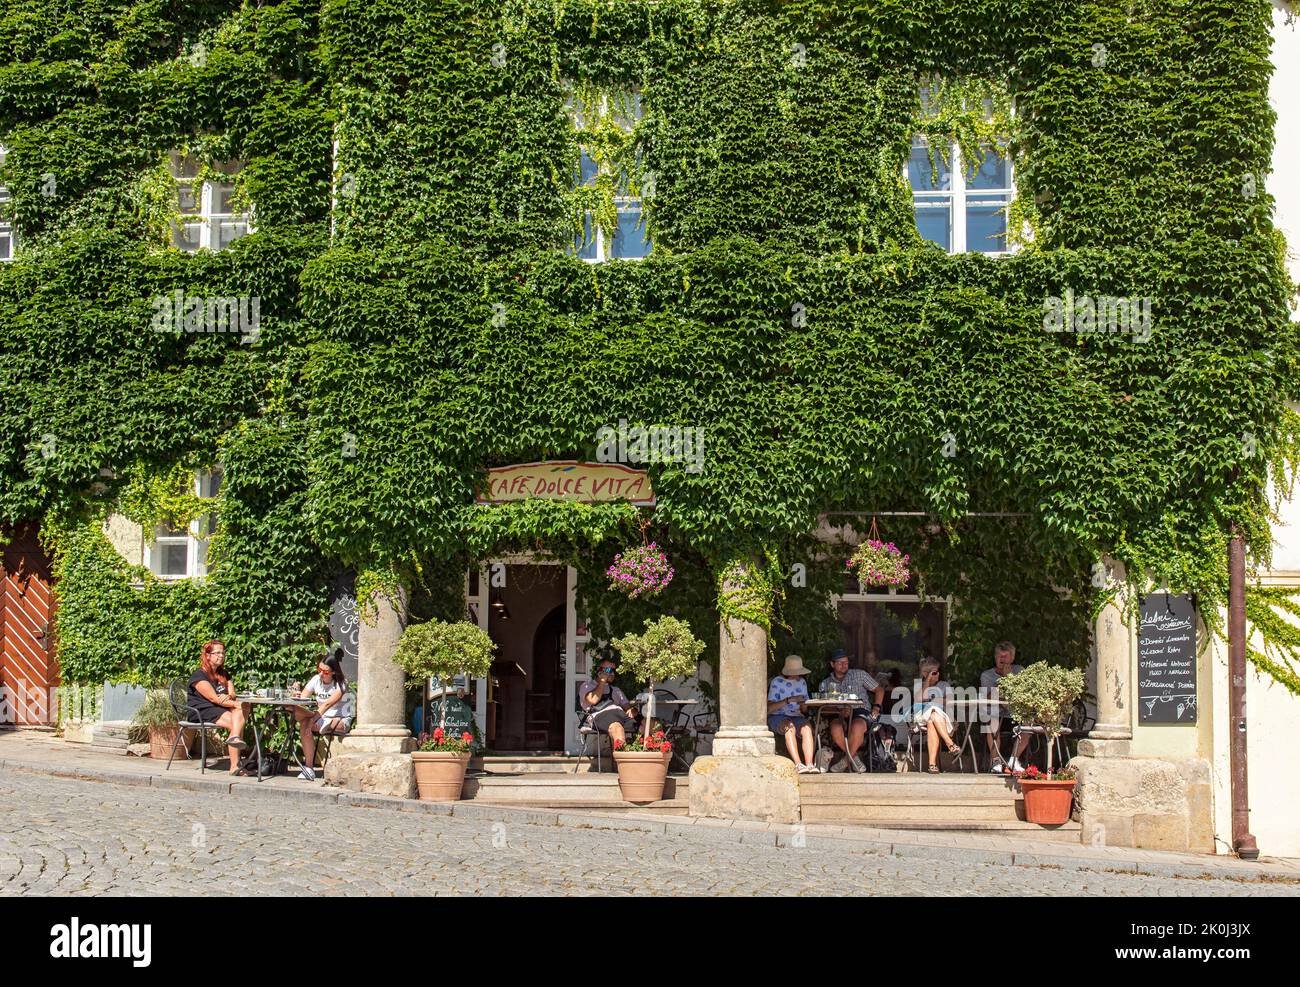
pixel 641 571
pixel 879 563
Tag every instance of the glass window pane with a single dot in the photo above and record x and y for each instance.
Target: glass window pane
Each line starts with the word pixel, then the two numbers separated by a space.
pixel 990 173
pixel 925 176
pixel 210 483
pixel 222 192
pixel 934 222
pixel 228 231
pixel 986 225
pixel 585 245
pixel 187 197
pixel 6 245
pixel 631 239
pixel 173 558
pixel 587 169
pixel 186 236
pixel 183 166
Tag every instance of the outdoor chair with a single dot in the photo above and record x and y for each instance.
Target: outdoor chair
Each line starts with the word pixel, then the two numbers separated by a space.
pixel 325 743
pixel 186 719
pixel 1062 754
pixel 586 733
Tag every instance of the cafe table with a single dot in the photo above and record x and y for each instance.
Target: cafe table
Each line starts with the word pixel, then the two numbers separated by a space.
pixel 840 706
pixel 278 707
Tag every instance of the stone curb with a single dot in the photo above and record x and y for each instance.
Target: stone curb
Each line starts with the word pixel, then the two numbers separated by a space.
pixel 288 794
pixel 813 836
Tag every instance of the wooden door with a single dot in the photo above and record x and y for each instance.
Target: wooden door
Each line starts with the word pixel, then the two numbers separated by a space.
pixel 28 668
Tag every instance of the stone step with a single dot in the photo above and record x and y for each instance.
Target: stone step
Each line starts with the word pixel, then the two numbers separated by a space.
pixel 542 788
pixel 514 764
pixel 819 809
pixel 856 786
pixel 672 807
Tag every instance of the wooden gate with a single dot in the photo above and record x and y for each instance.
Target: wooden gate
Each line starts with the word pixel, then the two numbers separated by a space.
pixel 29 670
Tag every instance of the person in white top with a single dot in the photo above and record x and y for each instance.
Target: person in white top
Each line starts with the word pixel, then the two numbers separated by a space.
pixel 332 715
pixel 1004 657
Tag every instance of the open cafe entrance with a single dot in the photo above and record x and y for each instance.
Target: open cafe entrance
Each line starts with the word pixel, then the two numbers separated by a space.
pixel 525 703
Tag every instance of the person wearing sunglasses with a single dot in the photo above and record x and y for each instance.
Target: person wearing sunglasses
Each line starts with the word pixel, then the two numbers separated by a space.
pixel 605 706
pixel 930 712
pixel 332 715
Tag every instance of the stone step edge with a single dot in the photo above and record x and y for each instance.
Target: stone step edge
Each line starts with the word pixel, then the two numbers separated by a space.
pixel 822 836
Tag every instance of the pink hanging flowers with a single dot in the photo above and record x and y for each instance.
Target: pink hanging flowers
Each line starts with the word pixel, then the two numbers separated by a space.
pixel 641 571
pixel 879 563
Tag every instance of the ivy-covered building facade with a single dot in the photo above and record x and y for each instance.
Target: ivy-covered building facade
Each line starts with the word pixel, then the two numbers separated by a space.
pixel 284 282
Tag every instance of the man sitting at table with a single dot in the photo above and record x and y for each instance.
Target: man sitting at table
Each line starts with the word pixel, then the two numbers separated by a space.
pixel 857 682
pixel 1004 656
pixel 605 706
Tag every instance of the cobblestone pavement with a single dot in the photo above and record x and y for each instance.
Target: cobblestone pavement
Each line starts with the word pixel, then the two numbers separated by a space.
pixel 61 836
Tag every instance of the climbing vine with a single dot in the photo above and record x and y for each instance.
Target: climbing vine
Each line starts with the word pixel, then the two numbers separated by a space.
pixel 411 167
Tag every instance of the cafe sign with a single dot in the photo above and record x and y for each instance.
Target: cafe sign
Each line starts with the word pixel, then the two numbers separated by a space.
pixel 583 483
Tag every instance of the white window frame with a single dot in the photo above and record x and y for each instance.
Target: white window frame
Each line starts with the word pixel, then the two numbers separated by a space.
pixel 622 203
pixel 195 538
pixel 207 219
pixel 6 227
pixel 958 198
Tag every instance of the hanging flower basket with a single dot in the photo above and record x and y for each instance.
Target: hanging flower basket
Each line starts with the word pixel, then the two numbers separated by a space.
pixel 880 563
pixel 642 571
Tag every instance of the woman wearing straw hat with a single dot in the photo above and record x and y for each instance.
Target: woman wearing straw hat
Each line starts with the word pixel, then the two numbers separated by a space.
pixel 786 695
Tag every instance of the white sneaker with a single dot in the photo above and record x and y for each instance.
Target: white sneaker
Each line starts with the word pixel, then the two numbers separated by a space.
pixel 997 768
pixel 307 774
pixel 1014 765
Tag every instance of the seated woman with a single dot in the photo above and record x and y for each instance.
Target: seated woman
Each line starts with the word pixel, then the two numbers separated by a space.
pixel 332 715
pixel 929 713
pixel 605 707
pixel 786 695
pixel 212 699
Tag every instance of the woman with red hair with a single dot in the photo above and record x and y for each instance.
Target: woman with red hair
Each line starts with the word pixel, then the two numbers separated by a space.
pixel 212 698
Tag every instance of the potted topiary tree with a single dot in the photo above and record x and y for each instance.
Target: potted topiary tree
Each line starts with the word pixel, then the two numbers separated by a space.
pixel 445 650
pixel 1044 695
pixel 664 650
pixel 158 716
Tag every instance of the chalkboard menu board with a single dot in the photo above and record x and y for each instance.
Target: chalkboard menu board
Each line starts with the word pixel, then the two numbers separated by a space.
pixel 345 622
pixel 1166 690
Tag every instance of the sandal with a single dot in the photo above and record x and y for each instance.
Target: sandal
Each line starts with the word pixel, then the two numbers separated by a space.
pixel 932 769
pixel 954 750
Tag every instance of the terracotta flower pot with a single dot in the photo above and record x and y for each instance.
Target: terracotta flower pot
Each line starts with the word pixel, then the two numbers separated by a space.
pixel 440 775
pixel 1047 803
pixel 161 740
pixel 641 775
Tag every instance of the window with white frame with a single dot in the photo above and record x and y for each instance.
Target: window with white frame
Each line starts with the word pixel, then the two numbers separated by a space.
pixel 961 205
pixel 177 552
pixel 7 241
pixel 208 218
pixel 629 239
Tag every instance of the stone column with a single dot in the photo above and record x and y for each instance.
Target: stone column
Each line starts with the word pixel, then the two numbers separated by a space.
pixel 1112 637
pixel 375 756
pixel 742 691
pixel 744 778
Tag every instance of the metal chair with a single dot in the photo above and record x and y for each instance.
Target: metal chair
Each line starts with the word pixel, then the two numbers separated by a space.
pixel 677 728
pixel 916 747
pixel 1035 732
pixel 585 732
pixel 178 693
